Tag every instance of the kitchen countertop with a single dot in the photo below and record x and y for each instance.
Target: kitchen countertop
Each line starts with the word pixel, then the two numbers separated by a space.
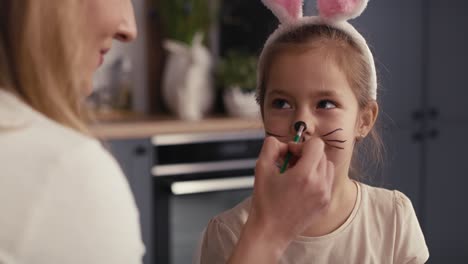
pixel 138 126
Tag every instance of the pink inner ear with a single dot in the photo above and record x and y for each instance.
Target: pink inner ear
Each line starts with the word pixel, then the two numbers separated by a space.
pixel 293 7
pixel 330 8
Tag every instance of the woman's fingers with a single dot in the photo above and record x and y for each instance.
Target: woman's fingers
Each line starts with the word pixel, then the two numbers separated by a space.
pixel 311 154
pixel 295 148
pixel 322 165
pixel 310 180
pixel 272 150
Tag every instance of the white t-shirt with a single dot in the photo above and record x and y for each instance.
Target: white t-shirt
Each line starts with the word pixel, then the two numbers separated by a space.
pixel 382 228
pixel 63 198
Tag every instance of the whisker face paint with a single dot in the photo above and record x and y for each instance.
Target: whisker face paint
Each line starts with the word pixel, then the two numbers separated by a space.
pixel 271 134
pixel 336 130
pixel 333 146
pixel 333 140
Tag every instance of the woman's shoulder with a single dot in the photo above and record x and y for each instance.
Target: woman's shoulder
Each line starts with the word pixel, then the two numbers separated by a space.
pixel 57 145
pixel 21 126
pixel 34 145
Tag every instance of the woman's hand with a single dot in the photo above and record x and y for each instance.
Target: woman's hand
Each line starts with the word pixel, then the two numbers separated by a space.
pixel 283 205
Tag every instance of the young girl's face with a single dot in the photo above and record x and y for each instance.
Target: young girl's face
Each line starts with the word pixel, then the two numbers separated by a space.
pixel 106 20
pixel 303 86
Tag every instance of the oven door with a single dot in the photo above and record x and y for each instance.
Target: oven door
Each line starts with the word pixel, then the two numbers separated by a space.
pixel 194 179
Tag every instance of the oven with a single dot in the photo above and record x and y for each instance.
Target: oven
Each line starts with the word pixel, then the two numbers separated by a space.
pixel 195 177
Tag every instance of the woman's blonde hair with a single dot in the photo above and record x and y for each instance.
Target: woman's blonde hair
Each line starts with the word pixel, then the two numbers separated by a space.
pixel 41 44
pixel 337 46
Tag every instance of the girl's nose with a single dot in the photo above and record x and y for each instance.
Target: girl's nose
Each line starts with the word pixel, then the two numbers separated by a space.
pixel 300 126
pixel 303 114
pixel 127 30
pixel 309 127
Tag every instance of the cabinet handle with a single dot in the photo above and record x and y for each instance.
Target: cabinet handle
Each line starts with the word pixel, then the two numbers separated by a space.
pixel 418 115
pixel 418 136
pixel 433 113
pixel 140 151
pixel 433 133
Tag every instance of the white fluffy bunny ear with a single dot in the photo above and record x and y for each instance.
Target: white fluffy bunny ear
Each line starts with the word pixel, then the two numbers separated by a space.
pixel 339 10
pixel 285 10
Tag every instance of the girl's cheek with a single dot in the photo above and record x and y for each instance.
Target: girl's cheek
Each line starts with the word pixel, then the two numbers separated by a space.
pixel 278 126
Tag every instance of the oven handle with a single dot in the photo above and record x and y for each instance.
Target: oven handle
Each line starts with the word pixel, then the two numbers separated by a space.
pixel 202 167
pixel 197 138
pixel 212 185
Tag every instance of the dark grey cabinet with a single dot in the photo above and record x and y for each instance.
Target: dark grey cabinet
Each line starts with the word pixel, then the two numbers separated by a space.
pixel 447 128
pixel 421 51
pixel 135 158
pixel 446 195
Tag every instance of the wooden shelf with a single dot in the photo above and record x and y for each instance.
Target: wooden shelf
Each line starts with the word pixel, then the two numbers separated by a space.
pixel 139 126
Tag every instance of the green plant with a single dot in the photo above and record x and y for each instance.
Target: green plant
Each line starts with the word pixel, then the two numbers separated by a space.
pixel 183 18
pixel 238 69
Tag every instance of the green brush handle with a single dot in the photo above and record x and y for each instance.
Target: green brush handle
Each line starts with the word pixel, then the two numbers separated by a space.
pixel 288 156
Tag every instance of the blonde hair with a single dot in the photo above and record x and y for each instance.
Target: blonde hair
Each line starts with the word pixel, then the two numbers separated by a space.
pixel 338 47
pixel 40 57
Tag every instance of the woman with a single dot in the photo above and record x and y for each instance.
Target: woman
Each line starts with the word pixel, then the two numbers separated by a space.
pixel 63 198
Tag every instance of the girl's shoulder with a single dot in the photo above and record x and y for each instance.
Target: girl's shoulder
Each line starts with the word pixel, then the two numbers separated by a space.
pixel 381 197
pixel 385 204
pixel 234 218
pixel 391 212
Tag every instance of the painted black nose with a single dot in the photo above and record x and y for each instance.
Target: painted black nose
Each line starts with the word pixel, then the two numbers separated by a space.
pixel 298 125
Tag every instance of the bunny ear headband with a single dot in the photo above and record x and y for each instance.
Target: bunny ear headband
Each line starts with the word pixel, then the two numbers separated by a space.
pixel 333 13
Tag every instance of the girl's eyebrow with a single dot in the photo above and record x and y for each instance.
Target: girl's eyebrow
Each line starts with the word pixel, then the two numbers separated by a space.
pixel 316 94
pixel 324 93
pixel 278 92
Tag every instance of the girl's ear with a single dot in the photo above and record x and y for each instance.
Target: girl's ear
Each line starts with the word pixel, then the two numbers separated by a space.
pixel 285 10
pixel 340 10
pixel 366 119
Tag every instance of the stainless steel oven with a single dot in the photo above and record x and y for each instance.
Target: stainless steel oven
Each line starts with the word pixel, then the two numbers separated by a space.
pixel 196 176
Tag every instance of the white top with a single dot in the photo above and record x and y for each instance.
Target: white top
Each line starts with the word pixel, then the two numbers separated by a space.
pixel 382 228
pixel 63 198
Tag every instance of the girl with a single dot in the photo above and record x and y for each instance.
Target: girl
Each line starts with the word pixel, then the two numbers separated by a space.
pixel 319 71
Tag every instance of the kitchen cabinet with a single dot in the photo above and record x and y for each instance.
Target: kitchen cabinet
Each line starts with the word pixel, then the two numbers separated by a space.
pixel 446 128
pixel 394 31
pixel 420 52
pixel 135 159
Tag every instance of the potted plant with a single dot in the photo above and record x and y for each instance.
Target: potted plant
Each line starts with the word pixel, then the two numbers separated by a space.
pixel 237 76
pixel 183 19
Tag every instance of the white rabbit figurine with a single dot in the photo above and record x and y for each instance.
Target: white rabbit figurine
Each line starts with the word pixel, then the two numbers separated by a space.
pixel 187 81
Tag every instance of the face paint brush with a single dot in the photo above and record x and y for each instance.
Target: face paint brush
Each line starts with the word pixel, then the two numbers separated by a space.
pixel 300 128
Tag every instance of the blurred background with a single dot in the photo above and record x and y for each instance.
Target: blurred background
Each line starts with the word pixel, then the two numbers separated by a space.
pixel 176 109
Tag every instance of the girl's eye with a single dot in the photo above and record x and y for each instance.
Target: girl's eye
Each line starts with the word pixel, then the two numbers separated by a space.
pixel 326 104
pixel 280 104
